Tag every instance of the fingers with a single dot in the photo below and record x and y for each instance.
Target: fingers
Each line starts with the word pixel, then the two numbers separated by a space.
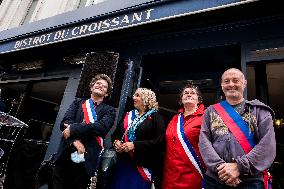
pixel 224 178
pixel 79 146
pixel 128 146
pixel 229 173
pixel 123 147
pixel 65 135
pixel 234 182
pixel 238 181
pixel 118 146
pixel 223 175
pixel 66 132
pixel 220 167
pixel 229 180
pixel 81 149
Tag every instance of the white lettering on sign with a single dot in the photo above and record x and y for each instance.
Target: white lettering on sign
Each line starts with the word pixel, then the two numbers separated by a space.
pixel 85 29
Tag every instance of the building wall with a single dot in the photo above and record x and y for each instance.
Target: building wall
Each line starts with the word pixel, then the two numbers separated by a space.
pixel 18 12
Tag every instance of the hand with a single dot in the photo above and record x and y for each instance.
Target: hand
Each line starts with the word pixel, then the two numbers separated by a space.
pixel 79 146
pixel 66 132
pixel 128 146
pixel 118 146
pixel 234 183
pixel 229 172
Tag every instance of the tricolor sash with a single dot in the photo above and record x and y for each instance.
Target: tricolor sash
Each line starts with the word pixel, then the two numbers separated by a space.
pixel 90 116
pixel 188 148
pixel 131 120
pixel 240 129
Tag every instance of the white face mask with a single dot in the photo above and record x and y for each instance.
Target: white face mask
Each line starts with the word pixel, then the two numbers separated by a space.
pixel 77 158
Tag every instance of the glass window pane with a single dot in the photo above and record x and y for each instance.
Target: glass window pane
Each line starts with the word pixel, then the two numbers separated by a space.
pixel 275 81
pixel 30 12
pixel 251 82
pixel 82 3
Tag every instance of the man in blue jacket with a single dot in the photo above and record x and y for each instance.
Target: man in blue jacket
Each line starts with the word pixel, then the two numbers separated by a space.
pixel 237 139
pixel 83 127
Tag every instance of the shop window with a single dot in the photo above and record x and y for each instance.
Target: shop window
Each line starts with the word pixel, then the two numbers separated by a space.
pixel 82 3
pixel 36 103
pixel 97 1
pixel 275 82
pixel 266 83
pixel 30 12
pixel 89 2
pixel 251 82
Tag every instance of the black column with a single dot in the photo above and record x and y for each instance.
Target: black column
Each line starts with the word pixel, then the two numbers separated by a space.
pixel 261 83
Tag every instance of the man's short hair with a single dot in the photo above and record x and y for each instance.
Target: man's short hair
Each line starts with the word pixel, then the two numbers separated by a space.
pixel 103 77
pixel 235 69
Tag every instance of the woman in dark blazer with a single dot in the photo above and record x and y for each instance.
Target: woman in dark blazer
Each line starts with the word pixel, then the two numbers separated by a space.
pixel 139 143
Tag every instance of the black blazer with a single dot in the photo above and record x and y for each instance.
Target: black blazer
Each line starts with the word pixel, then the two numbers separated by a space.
pixel 149 145
pixel 85 132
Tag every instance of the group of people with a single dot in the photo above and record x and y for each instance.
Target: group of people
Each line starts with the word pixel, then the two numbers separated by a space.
pixel 230 144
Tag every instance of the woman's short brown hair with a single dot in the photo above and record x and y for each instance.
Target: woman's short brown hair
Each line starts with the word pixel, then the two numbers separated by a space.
pixel 191 86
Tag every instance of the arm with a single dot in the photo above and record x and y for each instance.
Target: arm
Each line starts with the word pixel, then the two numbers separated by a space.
pixel 118 132
pixel 69 118
pixel 210 157
pixel 70 114
pixel 145 150
pixel 117 136
pixel 98 128
pixel 263 154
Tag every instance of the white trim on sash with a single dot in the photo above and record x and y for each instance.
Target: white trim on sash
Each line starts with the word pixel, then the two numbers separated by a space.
pixel 89 110
pixel 185 147
pixel 92 116
pixel 130 114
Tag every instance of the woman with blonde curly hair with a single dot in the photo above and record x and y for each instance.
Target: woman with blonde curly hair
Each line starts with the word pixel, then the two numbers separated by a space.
pixel 139 143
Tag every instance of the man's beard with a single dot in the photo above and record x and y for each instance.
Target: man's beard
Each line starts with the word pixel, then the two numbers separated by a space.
pixel 97 94
pixel 233 95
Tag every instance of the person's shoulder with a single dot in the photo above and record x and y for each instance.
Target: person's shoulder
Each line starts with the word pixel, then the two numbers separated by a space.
pixel 156 113
pixel 107 106
pixel 77 99
pixel 210 108
pixel 260 105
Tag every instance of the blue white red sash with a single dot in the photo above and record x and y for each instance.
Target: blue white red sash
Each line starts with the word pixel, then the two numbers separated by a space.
pixel 128 122
pixel 240 130
pixel 188 148
pixel 90 116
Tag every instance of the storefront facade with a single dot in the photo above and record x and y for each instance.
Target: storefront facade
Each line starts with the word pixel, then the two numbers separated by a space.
pixel 156 44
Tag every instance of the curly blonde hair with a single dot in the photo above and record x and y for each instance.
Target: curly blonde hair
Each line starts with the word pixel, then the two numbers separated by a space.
pixel 148 97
